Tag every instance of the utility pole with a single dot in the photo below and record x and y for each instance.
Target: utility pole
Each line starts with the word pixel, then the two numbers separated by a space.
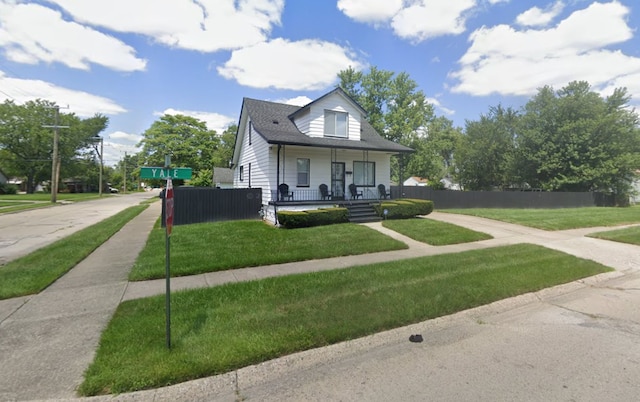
pixel 124 177
pixel 55 163
pixel 100 153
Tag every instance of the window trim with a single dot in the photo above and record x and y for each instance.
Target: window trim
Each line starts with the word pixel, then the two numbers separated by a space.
pixel 241 173
pixel 370 181
pixel 307 173
pixel 335 114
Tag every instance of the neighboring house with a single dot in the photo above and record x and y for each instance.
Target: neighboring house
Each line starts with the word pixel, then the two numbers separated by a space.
pixel 222 177
pixel 328 141
pixel 416 181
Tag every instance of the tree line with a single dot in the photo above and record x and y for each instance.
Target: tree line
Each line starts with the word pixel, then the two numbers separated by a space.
pixel 571 139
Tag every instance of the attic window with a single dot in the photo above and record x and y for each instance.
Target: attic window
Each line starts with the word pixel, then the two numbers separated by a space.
pixel 335 124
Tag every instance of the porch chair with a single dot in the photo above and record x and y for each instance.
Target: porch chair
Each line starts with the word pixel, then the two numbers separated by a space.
pixel 382 192
pixel 354 192
pixel 285 194
pixel 325 194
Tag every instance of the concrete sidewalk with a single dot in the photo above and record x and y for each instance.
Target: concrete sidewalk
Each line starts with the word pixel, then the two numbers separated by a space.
pixel 48 340
pixel 620 256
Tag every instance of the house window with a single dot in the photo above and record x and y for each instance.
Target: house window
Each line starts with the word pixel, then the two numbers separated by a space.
pixel 303 172
pixel 241 173
pixel 335 124
pixel 364 174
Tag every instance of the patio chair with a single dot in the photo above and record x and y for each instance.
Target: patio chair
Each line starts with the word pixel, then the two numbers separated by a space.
pixel 354 192
pixel 325 194
pixel 382 192
pixel 285 194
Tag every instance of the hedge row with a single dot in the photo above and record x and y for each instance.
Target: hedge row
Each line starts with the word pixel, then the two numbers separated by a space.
pixel 314 217
pixel 404 209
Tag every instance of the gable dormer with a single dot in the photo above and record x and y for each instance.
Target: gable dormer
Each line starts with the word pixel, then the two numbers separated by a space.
pixel 335 115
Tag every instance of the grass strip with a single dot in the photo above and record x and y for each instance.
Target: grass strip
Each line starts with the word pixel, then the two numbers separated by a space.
pixel 558 219
pixel 34 272
pixel 217 330
pixel 210 247
pixel 433 232
pixel 627 235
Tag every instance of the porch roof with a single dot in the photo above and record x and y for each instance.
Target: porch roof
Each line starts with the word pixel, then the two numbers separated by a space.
pixel 271 120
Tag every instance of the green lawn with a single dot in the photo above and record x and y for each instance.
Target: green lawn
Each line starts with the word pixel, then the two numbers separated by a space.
pixel 210 247
pixel 20 202
pixel 34 272
pixel 216 330
pixel 627 235
pixel 433 232
pixel 558 219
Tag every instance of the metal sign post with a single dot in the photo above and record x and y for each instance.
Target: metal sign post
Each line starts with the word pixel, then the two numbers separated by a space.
pixel 168 214
pixel 167 173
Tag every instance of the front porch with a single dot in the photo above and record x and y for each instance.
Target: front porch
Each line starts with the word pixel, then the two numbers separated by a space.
pixel 296 196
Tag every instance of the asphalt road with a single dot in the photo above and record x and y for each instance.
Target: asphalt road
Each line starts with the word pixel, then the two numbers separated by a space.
pixel 24 232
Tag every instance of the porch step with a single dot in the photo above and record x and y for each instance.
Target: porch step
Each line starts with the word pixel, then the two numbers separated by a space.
pixel 361 213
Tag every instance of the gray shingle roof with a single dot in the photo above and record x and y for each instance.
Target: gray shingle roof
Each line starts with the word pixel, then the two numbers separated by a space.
pixel 272 121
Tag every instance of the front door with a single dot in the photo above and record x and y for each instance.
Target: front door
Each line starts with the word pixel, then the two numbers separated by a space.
pixel 337 180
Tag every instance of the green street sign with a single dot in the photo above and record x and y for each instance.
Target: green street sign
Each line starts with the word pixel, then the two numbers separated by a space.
pixel 164 173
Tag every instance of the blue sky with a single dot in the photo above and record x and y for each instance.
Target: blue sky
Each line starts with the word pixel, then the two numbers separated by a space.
pixel 134 60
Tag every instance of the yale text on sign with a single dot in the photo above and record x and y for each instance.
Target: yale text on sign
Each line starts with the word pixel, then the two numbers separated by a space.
pixel 165 173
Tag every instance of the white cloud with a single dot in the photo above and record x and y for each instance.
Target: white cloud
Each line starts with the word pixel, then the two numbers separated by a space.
pixel 114 151
pixel 281 64
pixel 436 103
pixel 428 19
pixel 538 17
pixel 31 33
pixel 126 137
pixel 298 101
pixel 509 62
pixel 205 25
pixel 416 20
pixel 214 121
pixel 371 11
pixel 81 103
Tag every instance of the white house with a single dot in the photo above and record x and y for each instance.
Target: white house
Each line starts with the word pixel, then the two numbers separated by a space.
pixel 416 181
pixel 297 149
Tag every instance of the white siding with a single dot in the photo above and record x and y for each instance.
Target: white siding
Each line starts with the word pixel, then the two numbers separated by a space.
pixel 256 155
pixel 312 123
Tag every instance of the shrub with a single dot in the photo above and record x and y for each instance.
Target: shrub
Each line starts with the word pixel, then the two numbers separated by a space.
pixel 404 209
pixel 337 215
pixel 293 219
pixel 314 217
pixel 8 188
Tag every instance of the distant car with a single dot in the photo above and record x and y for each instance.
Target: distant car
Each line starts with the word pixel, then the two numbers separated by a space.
pixel 113 190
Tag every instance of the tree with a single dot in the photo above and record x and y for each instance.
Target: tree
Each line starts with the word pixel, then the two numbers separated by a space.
pixel 485 155
pixel 575 140
pixel 435 149
pixel 28 145
pixel 186 139
pixel 224 153
pixel 394 105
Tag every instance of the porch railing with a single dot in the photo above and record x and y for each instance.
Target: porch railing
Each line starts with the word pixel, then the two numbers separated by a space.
pixel 305 195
